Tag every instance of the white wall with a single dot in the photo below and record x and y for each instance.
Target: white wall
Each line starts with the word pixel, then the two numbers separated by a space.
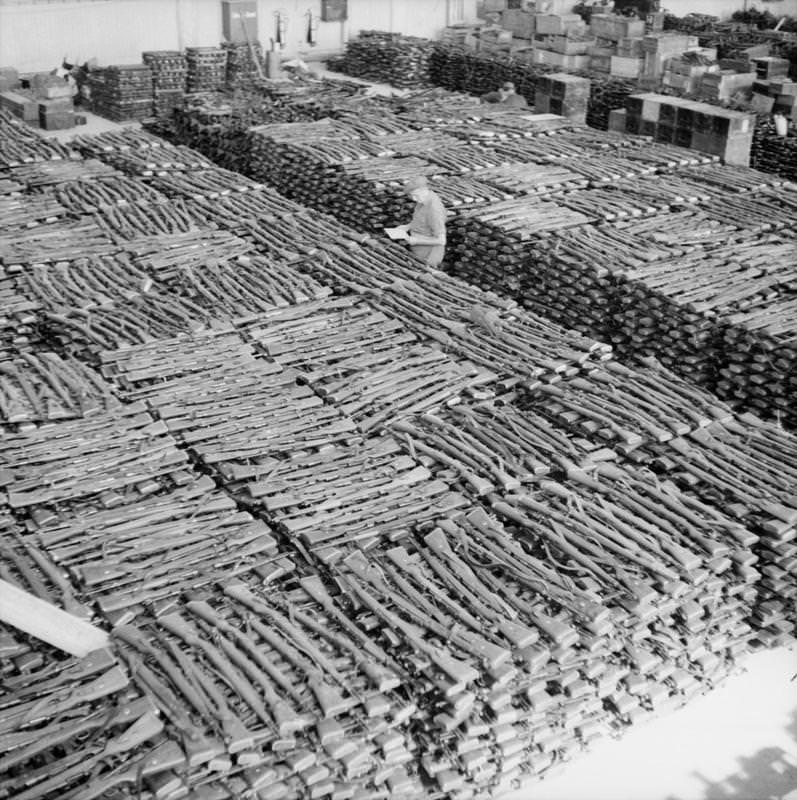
pixel 36 36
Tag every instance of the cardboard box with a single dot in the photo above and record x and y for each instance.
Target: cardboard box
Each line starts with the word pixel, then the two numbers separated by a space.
pixel 563 44
pixel 21 106
pixel 762 104
pixel 783 87
pixel 617 120
pixel 646 106
pixel 559 24
pixel 559 60
pixel 494 5
pixel 737 150
pixel 55 92
pixel 770 67
pixel 521 23
pixel 631 47
pixel 613 27
pixel 58 105
pixel 60 121
pixel 625 67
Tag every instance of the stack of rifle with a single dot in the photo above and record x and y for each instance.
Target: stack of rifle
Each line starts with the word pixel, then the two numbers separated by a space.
pixel 401 61
pixel 464 190
pixel 207 69
pixel 63 240
pixel 146 162
pixel 344 498
pixel 490 243
pixel 606 94
pixel 118 451
pixel 85 283
pixel 39 175
pixel 406 541
pixel 747 467
pixel 628 407
pixel 87 196
pixel 21 144
pixel 153 315
pixel 100 145
pixel 292 700
pixel 773 153
pixel 163 257
pixel 575 274
pixel 169 70
pixel 24 211
pixel 47 388
pixel 519 347
pixel 682 301
pixel 150 548
pixel 244 63
pixel 534 178
pixel 133 220
pixel 122 92
pixel 211 183
pixel 78 725
pixel 245 285
pixel 761 355
pixel 18 318
pixel 370 368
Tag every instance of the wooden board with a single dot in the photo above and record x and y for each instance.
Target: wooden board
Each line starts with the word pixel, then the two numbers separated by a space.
pixel 48 623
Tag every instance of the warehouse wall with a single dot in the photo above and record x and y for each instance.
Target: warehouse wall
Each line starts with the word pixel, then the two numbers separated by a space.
pixel 36 35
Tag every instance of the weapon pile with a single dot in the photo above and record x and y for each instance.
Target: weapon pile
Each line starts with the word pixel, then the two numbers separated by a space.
pixel 21 144
pixel 359 530
pixel 772 153
pixel 244 62
pixel 401 61
pixel 207 69
pixel 122 92
pixel 47 388
pixel 169 70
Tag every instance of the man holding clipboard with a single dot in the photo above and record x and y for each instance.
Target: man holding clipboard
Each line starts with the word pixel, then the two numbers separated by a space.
pixel 426 232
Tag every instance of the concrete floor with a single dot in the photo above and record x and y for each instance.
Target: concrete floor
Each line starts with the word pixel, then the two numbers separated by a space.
pixel 738 742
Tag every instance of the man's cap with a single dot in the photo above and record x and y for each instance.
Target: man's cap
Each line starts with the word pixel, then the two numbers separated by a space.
pixel 508 86
pixel 418 182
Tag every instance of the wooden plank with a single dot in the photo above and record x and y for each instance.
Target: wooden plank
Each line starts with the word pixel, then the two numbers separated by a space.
pixel 48 623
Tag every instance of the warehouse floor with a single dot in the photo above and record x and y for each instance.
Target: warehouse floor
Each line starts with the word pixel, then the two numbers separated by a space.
pixel 737 743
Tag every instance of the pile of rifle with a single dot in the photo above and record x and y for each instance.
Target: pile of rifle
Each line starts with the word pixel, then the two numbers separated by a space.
pixel 244 63
pixel 24 211
pixel 65 720
pixel 401 61
pixel 21 144
pixel 87 196
pixel 207 69
pixel 169 69
pixel 606 94
pixel 773 153
pixel 47 388
pixel 122 92
pixel 373 369
pixel 59 241
pixel 17 319
pixel 360 530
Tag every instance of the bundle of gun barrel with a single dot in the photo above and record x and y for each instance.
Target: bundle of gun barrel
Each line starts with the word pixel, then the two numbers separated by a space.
pixel 402 540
